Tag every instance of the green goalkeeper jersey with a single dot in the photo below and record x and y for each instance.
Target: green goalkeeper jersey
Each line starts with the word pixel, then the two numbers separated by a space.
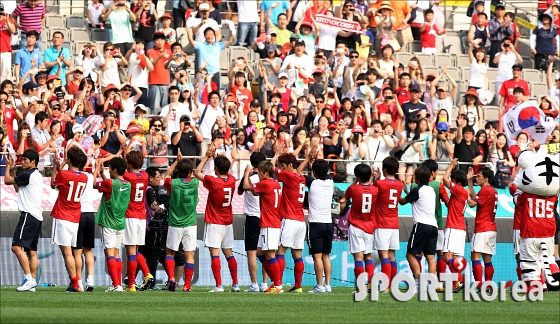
pixel 111 212
pixel 184 199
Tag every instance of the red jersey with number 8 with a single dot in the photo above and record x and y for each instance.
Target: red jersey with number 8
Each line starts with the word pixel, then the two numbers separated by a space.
pixel 220 193
pixel 456 207
pixel 293 194
pixel 387 205
pixel 537 215
pixel 362 213
pixel 269 196
pixel 487 204
pixel 138 184
pixel 71 186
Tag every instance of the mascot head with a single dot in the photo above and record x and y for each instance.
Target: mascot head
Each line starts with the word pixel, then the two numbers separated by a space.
pixel 539 173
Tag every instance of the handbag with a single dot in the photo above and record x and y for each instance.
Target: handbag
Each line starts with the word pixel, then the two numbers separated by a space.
pixel 395 44
pixel 470 9
pixel 135 25
pixel 399 153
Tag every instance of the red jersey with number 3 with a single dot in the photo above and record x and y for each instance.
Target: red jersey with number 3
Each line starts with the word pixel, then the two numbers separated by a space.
pixel 293 194
pixel 71 186
pixel 269 195
pixel 514 192
pixel 362 212
pixel 220 193
pixel 456 207
pixel 537 215
pixel 487 204
pixel 387 205
pixel 138 184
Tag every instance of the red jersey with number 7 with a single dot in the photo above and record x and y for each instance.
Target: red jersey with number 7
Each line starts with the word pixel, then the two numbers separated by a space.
pixel 138 184
pixel 71 185
pixel 456 207
pixel 220 193
pixel 387 205
pixel 293 194
pixel 269 195
pixel 362 213
pixel 487 204
pixel 537 215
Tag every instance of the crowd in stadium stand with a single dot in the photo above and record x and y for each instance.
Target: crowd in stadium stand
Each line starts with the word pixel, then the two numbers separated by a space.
pixel 289 73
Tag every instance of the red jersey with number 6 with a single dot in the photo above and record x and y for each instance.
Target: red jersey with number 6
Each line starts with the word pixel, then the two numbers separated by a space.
pixel 71 186
pixel 269 194
pixel 537 215
pixel 487 204
pixel 293 194
pixel 456 207
pixel 220 193
pixel 138 184
pixel 387 205
pixel 362 213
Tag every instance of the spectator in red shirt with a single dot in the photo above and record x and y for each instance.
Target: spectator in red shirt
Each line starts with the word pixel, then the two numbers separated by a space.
pixel 158 79
pixel 243 95
pixel 403 91
pixel 8 114
pixel 7 28
pixel 507 98
pixel 478 8
pixel 429 32
pixel 388 104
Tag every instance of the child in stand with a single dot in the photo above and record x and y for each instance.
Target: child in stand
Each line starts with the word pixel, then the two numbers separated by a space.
pixel 429 32
pixel 170 33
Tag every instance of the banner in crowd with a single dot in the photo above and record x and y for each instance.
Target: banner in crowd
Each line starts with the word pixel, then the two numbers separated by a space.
pixel 52 270
pixel 343 24
pixel 528 117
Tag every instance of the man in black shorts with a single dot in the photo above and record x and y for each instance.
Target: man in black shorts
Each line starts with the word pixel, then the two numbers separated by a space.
pixel 29 186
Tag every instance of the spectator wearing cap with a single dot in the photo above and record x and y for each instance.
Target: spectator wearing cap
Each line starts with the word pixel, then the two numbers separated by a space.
pixel 28 57
pixel 57 57
pixel 7 29
pixel 32 14
pixel 297 65
pixel 334 145
pixel 41 135
pixel 170 33
pixel 298 10
pixel 319 85
pixel 112 99
pixel 441 147
pixel 158 79
pixel 111 138
pixel 248 17
pixel 121 17
pixel 441 97
pixel 171 114
pixel 77 137
pixel 200 23
pixel 136 141
pixel 347 12
pixel 140 112
pixel 507 98
pixel 357 151
pixel 262 47
pixel 110 62
pixel 500 29
pixel 56 114
pixel 128 104
pixel 304 29
pixel 466 149
pixel 212 11
pixel 384 22
pixel 146 13
pixel 30 89
pixel 281 26
pixel 271 10
pixel 271 64
pixel 542 42
pixel 379 145
pixel 506 60
pixel 139 67
pixel 73 84
pixel 414 106
pixel 472 108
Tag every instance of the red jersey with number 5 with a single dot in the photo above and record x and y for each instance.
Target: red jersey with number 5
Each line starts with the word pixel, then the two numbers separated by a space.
pixel 362 212
pixel 387 205
pixel 456 207
pixel 537 215
pixel 138 184
pixel 293 194
pixel 71 186
pixel 269 196
pixel 220 193
pixel 487 204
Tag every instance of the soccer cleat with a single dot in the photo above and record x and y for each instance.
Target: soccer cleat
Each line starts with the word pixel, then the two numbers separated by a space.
pixel 263 287
pixel 275 290
pixel 80 289
pixel 27 284
pixel 89 288
pixel 155 287
pixel 458 287
pixel 32 290
pixel 131 289
pixel 115 289
pixel 385 291
pixel 268 288
pixel 172 285
pixel 148 283
pixel 328 288
pixel 318 290
pixel 253 288
pixel 440 289
pixel 72 289
pixel 166 286
pixel 235 288
pixel 187 289
pixel 295 290
pixel 217 289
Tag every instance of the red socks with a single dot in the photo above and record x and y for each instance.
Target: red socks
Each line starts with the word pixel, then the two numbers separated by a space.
pixel 232 264
pixel 358 268
pixel 216 270
pixel 441 266
pixel 386 268
pixel 131 270
pixel 142 263
pixel 170 267
pixel 274 272
pixel 281 264
pixel 298 272
pixel 189 271
pixel 370 268
pixel 112 269
pixel 264 263
pixel 394 269
pixel 74 282
pixel 518 271
pixel 477 271
pixel 488 271
pixel 119 269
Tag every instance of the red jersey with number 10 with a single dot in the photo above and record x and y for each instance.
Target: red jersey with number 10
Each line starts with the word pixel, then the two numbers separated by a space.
pixel 138 184
pixel 269 195
pixel 537 215
pixel 293 194
pixel 362 212
pixel 487 204
pixel 220 193
pixel 456 207
pixel 71 186
pixel 387 204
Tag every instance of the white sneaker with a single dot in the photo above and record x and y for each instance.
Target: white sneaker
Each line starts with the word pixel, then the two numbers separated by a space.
pixel 263 287
pixel 114 289
pixel 328 288
pixel 27 284
pixel 253 288
pixel 318 290
pixel 32 290
pixel 235 288
pixel 217 289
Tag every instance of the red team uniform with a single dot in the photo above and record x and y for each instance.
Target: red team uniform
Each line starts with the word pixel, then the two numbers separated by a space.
pixel 484 237
pixel 455 230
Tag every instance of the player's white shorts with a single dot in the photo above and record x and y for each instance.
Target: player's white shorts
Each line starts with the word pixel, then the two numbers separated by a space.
pixel 269 238
pixel 176 235
pixel 111 238
pixel 516 241
pixel 386 239
pixel 531 256
pixel 359 241
pixel 218 236
pixel 134 231
pixel 454 241
pixel 64 233
pixel 484 242
pixel 440 236
pixel 292 234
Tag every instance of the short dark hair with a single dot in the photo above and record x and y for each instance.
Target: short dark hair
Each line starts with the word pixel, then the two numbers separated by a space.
pixel 459 176
pixel 362 171
pixel 266 167
pixel 119 164
pixel 428 11
pixel 320 168
pixel 406 74
pixel 213 93
pixel 33 33
pixel 173 88
pixel 152 171
pixel 135 159
pixel 492 123
pixel 422 174
pixel 40 116
pixel 222 164
pixel 487 173
pixel 184 168
pixel 256 158
pixel 431 164
pixel 376 122
pixel 483 14
pixel 468 129
pixel 209 29
pixel 32 155
pixel 175 45
pixel 281 14
pixel 390 165
pixel 512 15
pixel 76 156
pixel 58 33
pixel 288 159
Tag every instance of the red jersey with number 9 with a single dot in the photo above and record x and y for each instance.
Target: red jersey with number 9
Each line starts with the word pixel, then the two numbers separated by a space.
pixel 537 215
pixel 487 204
pixel 362 212
pixel 71 186
pixel 138 184
pixel 293 194
pixel 456 207
pixel 269 196
pixel 387 204
pixel 220 193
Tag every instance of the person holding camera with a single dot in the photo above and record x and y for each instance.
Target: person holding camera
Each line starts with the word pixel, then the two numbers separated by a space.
pixel 357 150
pixel 121 18
pixel 110 62
pixel 172 113
pixel 7 28
pixel 110 137
pixel 506 61
pixel 186 139
pixel 441 147
pixel 378 144
pixel 178 65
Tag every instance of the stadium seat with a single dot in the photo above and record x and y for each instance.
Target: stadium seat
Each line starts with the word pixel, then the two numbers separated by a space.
pixel 63 30
pixel 492 73
pixel 224 61
pixel 466 73
pixel 431 69
pixel 463 61
pixel 67 45
pixel 455 111
pixel 528 62
pixel 79 34
pixel 461 89
pixel 439 46
pixel 532 75
pixel 403 57
pixel 453 71
pixel 99 45
pixel 538 89
pixel 44 46
pixel 491 113
pixel 415 47
pixel 55 21
pixel 182 36
pixel 75 22
pixel 189 49
pixel 425 59
pixel 239 51
pixel 98 34
pixel 445 59
pixel 452 45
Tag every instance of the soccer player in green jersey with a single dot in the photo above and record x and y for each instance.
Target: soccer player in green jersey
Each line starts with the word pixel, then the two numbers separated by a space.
pixel 111 215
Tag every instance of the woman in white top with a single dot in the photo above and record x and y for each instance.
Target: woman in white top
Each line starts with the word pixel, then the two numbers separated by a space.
pixel 357 150
pixel 94 11
pixel 110 65
pixel 411 142
pixel 473 109
pixel 500 151
pixel 89 58
pixel 479 68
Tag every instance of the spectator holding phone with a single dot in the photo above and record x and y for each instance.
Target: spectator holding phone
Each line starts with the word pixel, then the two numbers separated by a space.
pixel 139 65
pixel 146 13
pixel 120 17
pixel 112 59
pixel 157 143
pixel 178 64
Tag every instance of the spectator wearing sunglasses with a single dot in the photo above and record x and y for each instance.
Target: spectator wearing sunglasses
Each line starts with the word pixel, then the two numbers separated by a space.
pixel 73 84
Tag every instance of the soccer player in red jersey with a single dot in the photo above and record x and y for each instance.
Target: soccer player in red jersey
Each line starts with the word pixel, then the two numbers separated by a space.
pixel 291 213
pixel 218 216
pixel 455 230
pixel 362 219
pixel 66 212
pixel 484 237
pixel 386 237
pixel 268 191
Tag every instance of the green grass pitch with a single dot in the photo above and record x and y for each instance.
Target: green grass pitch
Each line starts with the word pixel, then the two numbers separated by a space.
pixel 50 305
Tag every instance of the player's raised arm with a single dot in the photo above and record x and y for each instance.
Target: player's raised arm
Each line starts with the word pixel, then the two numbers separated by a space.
pixel 247 186
pixel 174 165
pixel 209 153
pixel 447 175
pixel 312 155
pixel 472 194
